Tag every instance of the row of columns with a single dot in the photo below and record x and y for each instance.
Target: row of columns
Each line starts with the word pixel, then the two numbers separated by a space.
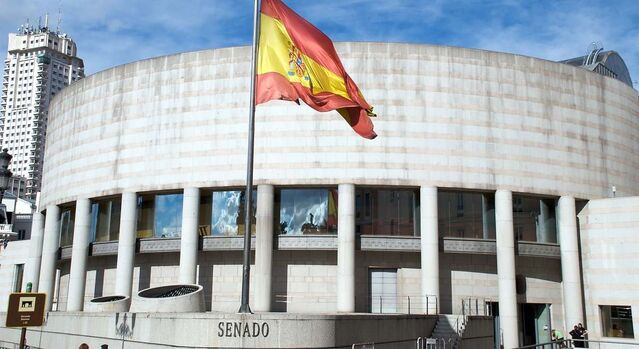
pixel 506 269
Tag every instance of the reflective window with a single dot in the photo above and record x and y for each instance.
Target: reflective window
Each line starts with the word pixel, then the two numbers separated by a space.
pixel 534 219
pixel 466 214
pixel 105 219
pixel 616 321
pixel 159 216
pixel 145 212
pixel 387 212
pixel 227 212
pixel 306 211
pixel 67 218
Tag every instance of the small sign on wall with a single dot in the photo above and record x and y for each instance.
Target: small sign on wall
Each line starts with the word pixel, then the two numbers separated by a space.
pixel 26 310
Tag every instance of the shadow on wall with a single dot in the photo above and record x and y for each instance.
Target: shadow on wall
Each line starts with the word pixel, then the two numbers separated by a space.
pixel 279 277
pixel 226 282
pixel 320 283
pixel 482 265
pixel 157 260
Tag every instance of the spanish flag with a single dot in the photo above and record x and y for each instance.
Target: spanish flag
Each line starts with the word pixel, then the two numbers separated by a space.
pixel 297 61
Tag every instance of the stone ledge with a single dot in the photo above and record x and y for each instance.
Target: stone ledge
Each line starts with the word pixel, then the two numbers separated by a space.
pixel 538 249
pixel 307 242
pixel 481 246
pixel 158 245
pixel 225 243
pixel 390 243
pixel 460 245
pixel 226 330
pixel 66 252
pixel 104 248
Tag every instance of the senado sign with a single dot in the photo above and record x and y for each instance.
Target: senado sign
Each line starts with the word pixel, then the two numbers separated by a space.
pixel 238 329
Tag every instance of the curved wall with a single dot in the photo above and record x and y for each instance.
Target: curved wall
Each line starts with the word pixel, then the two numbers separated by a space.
pixel 450 117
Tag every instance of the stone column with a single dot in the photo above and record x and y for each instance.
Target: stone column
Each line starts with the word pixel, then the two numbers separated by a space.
pixel 32 272
pixel 346 248
pixel 79 255
pixel 50 246
pixel 264 248
pixel 570 274
pixel 506 268
pixel 126 245
pixel 430 248
pixel 190 236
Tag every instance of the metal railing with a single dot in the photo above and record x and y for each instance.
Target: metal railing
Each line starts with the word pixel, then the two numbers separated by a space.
pixel 592 344
pixel 427 304
pixel 475 306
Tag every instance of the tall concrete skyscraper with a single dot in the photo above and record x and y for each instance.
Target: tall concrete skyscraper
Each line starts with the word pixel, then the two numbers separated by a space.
pixel 40 62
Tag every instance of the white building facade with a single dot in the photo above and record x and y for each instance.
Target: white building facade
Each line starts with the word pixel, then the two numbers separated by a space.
pixel 39 64
pixel 466 203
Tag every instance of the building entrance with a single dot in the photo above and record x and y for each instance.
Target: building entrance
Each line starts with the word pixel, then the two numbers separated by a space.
pixel 534 323
pixel 383 290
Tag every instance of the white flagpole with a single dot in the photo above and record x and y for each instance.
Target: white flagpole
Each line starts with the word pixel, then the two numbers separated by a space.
pixel 248 197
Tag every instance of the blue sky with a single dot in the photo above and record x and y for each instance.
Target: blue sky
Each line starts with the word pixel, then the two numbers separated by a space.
pixel 113 32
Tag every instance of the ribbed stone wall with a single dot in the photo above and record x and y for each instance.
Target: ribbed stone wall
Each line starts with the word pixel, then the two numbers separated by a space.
pixel 449 117
pixel 609 247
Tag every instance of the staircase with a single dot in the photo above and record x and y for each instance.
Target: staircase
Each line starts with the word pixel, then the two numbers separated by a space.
pixel 449 329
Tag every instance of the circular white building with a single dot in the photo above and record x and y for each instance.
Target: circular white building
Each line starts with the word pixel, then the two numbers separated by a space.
pixel 466 203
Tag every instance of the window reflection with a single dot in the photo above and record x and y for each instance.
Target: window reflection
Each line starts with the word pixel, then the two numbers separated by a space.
pixel 67 218
pixel 105 219
pixel 227 215
pixel 387 212
pixel 616 321
pixel 466 214
pixel 145 215
pixel 534 219
pixel 159 216
pixel 307 211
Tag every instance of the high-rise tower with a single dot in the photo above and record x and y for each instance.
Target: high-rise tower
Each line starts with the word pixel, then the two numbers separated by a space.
pixel 39 63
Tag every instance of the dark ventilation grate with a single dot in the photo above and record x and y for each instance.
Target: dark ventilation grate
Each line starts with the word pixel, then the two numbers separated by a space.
pixel 168 291
pixel 107 299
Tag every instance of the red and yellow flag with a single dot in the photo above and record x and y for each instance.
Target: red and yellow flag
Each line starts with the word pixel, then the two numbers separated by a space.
pixel 297 61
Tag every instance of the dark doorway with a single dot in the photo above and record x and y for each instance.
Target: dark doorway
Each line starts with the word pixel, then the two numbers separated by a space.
pixel 493 310
pixel 534 323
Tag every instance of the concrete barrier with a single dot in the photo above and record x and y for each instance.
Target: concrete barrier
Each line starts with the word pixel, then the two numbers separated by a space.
pixel 108 304
pixel 169 299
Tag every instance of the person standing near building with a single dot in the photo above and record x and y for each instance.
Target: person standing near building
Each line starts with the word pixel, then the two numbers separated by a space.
pixel 577 337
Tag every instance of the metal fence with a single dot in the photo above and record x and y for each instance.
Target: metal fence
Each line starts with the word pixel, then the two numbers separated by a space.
pixel 592 344
pixel 424 304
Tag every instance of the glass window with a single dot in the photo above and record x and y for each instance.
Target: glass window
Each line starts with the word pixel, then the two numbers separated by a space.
pixel 105 219
pixel 387 212
pixel 227 212
pixel 67 218
pixel 306 211
pixel 204 217
pixel 466 214
pixel 168 216
pixel 17 277
pixel 616 321
pixel 534 219
pixel 159 216
pixel 145 206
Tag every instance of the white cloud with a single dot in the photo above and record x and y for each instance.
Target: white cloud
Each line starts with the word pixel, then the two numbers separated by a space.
pixel 113 32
